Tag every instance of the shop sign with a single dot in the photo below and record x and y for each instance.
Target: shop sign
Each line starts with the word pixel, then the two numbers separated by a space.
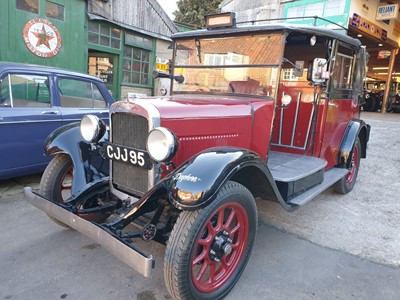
pixel 383 54
pixel 162 65
pixel 387 12
pixel 368 27
pixel 42 38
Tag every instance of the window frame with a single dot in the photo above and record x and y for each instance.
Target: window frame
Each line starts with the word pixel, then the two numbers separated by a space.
pixel 99 35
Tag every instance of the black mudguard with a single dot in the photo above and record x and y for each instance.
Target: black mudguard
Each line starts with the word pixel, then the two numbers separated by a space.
pixel 203 175
pixel 88 163
pixel 355 128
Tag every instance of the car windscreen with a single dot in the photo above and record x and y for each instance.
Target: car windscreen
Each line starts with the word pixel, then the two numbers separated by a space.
pixel 238 64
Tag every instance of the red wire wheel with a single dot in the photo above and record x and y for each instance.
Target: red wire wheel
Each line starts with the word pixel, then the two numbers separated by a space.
pixel 346 184
pixel 209 248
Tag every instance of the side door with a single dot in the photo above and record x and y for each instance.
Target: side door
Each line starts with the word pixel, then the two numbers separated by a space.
pixel 342 104
pixel 105 66
pixel 81 96
pixel 27 117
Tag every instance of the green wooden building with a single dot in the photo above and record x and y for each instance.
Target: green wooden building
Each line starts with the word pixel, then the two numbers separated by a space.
pixel 116 40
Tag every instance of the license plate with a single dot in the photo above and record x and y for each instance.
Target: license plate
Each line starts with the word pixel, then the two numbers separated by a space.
pixel 128 155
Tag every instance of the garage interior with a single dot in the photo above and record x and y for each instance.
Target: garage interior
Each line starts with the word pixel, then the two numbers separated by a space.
pixel 384 60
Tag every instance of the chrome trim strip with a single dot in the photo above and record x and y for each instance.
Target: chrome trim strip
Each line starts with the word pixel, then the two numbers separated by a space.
pixel 38 121
pixel 154 121
pixel 309 125
pixel 288 146
pixel 279 144
pixel 10 90
pixel 133 258
pixel 281 122
pixel 295 118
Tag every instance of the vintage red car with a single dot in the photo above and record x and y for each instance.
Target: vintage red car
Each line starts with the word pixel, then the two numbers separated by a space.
pixel 269 111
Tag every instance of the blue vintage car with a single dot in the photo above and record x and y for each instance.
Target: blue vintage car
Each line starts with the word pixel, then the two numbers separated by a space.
pixel 34 101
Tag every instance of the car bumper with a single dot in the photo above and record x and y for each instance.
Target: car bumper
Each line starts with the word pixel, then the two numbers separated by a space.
pixel 138 261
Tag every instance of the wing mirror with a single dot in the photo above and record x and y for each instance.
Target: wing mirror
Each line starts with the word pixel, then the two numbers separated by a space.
pixel 317 70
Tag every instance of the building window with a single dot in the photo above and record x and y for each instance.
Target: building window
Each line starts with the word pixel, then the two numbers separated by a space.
pixel 136 65
pixel 334 8
pixel 104 35
pixel 31 6
pixel 295 12
pixel 314 9
pixel 288 74
pixel 55 11
pixel 138 40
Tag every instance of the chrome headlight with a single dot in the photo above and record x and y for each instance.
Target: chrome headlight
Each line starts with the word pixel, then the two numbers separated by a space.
pixel 161 144
pixel 92 128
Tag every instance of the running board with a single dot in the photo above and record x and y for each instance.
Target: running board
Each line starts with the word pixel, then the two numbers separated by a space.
pixel 330 177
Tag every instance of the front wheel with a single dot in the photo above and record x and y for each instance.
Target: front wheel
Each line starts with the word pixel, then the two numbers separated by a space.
pixel 56 186
pixel 346 184
pixel 209 248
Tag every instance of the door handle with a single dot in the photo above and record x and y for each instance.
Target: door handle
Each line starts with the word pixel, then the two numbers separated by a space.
pixel 50 112
pixel 333 104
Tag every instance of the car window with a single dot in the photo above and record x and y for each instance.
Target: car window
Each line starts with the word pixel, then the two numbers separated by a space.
pixel 26 91
pixel 75 93
pixel 343 69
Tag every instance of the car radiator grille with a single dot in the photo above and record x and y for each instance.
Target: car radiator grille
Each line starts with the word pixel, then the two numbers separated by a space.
pixel 131 131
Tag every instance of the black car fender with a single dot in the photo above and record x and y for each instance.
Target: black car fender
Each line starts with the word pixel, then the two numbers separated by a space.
pixel 355 128
pixel 196 183
pixel 89 165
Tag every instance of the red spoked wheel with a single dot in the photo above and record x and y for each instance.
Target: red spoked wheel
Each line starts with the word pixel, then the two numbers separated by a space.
pixel 219 247
pixel 56 185
pixel 346 184
pixel 209 248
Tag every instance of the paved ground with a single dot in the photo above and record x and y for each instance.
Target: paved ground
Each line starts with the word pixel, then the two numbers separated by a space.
pixel 366 221
pixel 335 247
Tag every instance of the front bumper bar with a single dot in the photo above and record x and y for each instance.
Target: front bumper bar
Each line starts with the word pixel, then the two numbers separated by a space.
pixel 138 261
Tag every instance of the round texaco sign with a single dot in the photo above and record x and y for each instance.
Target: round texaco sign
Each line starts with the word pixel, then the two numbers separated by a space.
pixel 42 38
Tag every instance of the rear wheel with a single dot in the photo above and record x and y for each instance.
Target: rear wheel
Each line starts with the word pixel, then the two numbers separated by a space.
pixel 56 186
pixel 346 184
pixel 209 248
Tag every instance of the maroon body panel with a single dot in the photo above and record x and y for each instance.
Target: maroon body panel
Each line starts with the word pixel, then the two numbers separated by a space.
pixel 203 122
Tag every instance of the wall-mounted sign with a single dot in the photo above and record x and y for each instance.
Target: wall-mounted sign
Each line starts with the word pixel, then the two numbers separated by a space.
pixel 387 12
pixel 368 27
pixel 162 65
pixel 383 54
pixel 42 38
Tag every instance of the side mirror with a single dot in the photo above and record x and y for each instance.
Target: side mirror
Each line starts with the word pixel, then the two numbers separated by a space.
pixel 317 70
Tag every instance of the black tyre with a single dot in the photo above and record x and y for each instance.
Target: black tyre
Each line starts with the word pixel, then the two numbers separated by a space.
pixel 370 103
pixel 346 184
pixel 56 185
pixel 209 248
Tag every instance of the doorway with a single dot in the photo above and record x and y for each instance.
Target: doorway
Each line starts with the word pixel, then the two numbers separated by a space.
pixel 105 66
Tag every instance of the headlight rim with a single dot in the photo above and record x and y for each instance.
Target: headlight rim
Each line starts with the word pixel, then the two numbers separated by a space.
pixel 172 145
pixel 98 126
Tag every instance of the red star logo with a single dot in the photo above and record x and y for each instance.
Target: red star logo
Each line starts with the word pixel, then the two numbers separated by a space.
pixel 43 38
